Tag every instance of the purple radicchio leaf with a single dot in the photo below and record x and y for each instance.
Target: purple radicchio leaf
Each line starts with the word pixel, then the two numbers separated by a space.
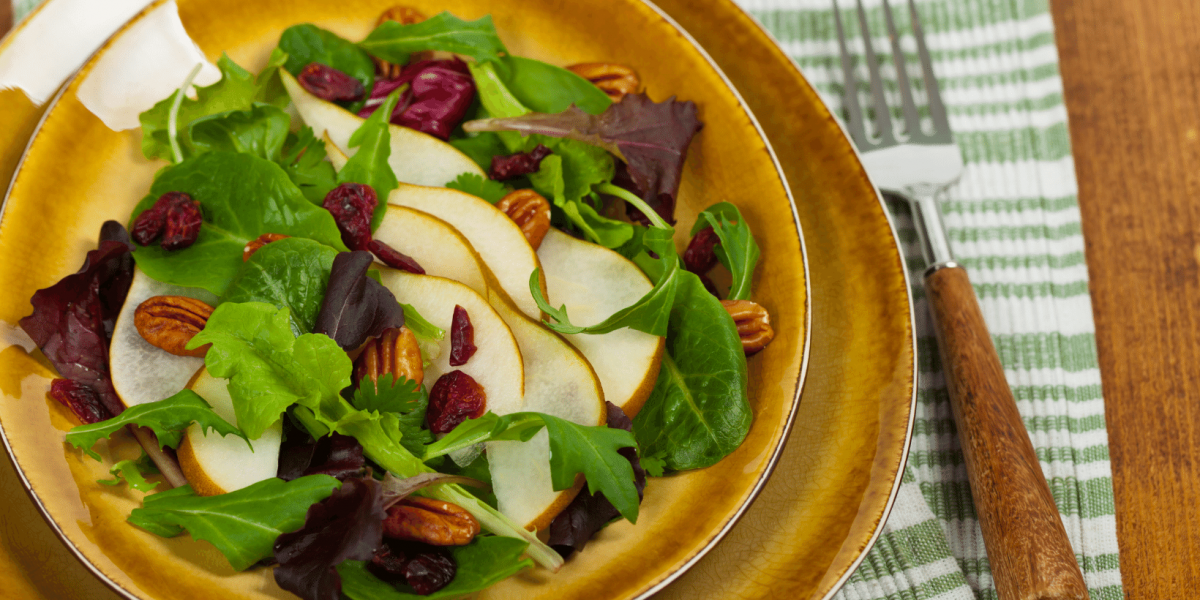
pixel 356 307
pixel 440 93
pixel 588 513
pixel 336 455
pixel 72 322
pixel 347 525
pixel 652 138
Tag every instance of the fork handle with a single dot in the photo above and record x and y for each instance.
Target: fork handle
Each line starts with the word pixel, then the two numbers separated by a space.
pixel 1027 546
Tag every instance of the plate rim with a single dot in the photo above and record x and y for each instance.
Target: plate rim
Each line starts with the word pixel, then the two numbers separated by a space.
pixel 805 348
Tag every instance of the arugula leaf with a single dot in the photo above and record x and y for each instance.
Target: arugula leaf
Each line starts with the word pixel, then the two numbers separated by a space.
pixel 131 472
pixel 698 411
pixel 574 449
pixel 237 90
pixel 476 185
pixel 738 250
pixel 267 367
pixel 545 88
pixel 291 273
pixel 394 42
pixel 486 561
pixel 306 44
pixel 304 162
pixel 168 418
pixel 369 165
pixel 261 131
pixel 390 395
pixel 242 524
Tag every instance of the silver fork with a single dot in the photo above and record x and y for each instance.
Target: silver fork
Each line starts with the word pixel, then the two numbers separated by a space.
pixel 1026 542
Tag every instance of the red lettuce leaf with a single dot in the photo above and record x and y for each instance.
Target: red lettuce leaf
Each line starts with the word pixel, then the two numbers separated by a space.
pixel 336 455
pixel 346 526
pixel 72 323
pixel 588 513
pixel 652 138
pixel 356 307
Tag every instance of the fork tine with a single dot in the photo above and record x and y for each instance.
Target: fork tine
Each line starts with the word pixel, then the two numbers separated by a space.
pixel 883 117
pixel 912 121
pixel 937 110
pixel 858 130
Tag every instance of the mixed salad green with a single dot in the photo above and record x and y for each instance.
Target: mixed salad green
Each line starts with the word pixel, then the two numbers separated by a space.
pixel 293 310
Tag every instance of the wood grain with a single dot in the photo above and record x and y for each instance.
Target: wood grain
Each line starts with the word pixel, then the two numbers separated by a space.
pixel 1131 77
pixel 1031 557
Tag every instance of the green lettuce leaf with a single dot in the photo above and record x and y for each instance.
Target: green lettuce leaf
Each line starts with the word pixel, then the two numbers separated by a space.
pixel 486 561
pixel 237 90
pixel 261 131
pixel 291 273
pixel 738 250
pixel 242 524
pixel 268 368
pixel 306 44
pixel 167 418
pixel 304 162
pixel 473 184
pixel 369 165
pixel 133 472
pixel 242 196
pixel 394 42
pixel 422 328
pixel 574 449
pixel 545 88
pixel 699 410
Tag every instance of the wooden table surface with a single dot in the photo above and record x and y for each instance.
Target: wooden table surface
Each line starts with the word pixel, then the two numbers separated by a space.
pixel 1131 74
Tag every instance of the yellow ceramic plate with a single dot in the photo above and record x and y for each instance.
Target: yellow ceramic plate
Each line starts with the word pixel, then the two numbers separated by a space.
pixel 77 173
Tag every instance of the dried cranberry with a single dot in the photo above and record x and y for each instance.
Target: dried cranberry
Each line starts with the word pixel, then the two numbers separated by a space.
pixel 394 258
pixel 352 206
pixel 388 563
pixel 516 165
pixel 462 337
pixel 430 571
pixel 455 397
pixel 149 225
pixel 80 398
pixel 328 83
pixel 699 256
pixel 183 223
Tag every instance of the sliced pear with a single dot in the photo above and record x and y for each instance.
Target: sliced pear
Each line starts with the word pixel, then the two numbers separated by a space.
pixel 218 465
pixel 558 379
pixel 595 282
pixel 416 157
pixel 142 373
pixel 494 236
pixel 496 364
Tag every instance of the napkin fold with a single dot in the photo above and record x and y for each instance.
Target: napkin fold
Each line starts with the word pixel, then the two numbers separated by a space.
pixel 1013 222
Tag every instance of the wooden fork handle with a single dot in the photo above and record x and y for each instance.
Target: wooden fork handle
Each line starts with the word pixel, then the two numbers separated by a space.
pixel 1027 546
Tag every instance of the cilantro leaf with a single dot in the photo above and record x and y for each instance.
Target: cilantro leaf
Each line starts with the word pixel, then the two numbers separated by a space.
pixel 304 162
pixel 369 165
pixel 291 273
pixel 131 472
pixel 738 250
pixel 236 91
pixel 167 418
pixel 574 449
pixel 243 524
pixel 390 395
pixel 306 44
pixel 394 42
pixel 486 561
pixel 477 185
pixel 268 368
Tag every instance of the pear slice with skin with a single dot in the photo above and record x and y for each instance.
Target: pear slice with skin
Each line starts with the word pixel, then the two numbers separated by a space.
pixel 558 379
pixel 595 282
pixel 216 464
pixel 142 373
pixel 416 157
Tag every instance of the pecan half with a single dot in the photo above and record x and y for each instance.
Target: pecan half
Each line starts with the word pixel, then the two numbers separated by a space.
pixel 404 15
pixel 530 211
pixel 612 79
pixel 259 242
pixel 753 324
pixel 394 353
pixel 431 521
pixel 170 322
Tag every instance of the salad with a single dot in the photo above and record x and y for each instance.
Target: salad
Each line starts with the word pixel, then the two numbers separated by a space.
pixel 424 330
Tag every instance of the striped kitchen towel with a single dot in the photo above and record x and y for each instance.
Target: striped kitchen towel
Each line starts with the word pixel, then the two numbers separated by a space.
pixel 1013 221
